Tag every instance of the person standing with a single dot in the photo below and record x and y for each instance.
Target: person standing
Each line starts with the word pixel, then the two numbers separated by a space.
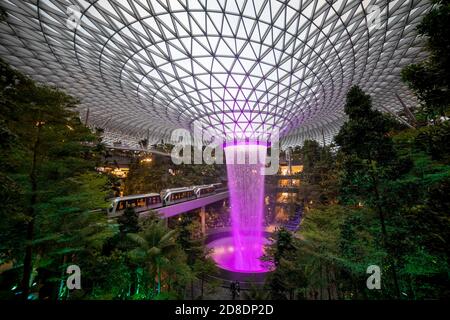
pixel 233 290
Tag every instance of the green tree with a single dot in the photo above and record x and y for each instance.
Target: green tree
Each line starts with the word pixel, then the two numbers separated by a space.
pixel 67 230
pixel 369 159
pixel 129 221
pixel 319 183
pixel 288 275
pixel 156 248
pixel 117 249
pixel 51 158
pixel 203 268
pixel 283 246
pixel 430 79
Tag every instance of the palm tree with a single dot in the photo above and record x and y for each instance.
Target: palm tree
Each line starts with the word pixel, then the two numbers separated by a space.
pixel 155 245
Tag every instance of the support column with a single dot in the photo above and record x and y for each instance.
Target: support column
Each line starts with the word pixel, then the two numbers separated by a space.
pixel 203 220
pixel 408 112
pixel 87 117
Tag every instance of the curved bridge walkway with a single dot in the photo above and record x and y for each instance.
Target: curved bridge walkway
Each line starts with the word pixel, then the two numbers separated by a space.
pixel 179 208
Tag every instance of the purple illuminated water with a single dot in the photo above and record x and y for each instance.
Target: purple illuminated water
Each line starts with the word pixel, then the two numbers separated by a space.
pixel 246 186
pixel 224 255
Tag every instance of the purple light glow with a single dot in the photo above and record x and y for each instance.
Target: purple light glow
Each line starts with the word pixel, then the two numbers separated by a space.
pixel 246 186
pixel 224 255
pixel 246 143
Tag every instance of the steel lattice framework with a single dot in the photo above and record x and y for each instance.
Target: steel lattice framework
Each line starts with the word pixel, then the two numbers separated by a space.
pixel 242 67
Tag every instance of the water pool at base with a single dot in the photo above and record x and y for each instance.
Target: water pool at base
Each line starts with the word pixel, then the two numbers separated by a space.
pixel 242 259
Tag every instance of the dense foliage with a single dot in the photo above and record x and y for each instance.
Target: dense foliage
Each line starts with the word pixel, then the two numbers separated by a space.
pixel 381 199
pixel 52 212
pixel 162 174
pixel 430 79
pixel 379 196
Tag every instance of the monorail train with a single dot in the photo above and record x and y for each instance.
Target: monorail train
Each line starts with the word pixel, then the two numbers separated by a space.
pixel 177 195
pixel 204 191
pixel 219 187
pixel 167 197
pixel 140 202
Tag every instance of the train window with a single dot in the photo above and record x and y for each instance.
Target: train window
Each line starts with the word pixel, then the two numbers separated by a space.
pixel 140 202
pixel 155 200
pixel 121 205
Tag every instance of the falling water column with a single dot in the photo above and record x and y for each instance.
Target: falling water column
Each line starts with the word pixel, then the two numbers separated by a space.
pixel 246 186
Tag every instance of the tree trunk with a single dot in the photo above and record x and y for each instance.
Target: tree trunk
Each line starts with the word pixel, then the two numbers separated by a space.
pixel 28 259
pixel 320 283
pixel 159 277
pixel 133 282
pixel 61 283
pixel 327 272
pixel 384 234
pixel 202 285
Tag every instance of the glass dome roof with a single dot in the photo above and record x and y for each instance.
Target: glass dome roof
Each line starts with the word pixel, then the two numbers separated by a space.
pixel 143 68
